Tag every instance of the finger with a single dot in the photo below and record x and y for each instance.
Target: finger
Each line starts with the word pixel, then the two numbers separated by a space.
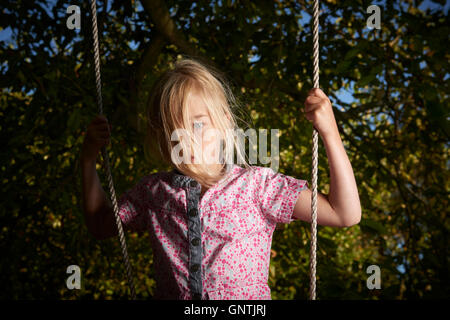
pixel 313 100
pixel 100 119
pixel 97 119
pixel 103 142
pixel 103 132
pixel 312 107
pixel 321 94
pixel 317 92
pixel 309 116
pixel 104 135
pixel 104 127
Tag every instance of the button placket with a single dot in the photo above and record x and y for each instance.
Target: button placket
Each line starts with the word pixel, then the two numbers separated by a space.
pixel 194 236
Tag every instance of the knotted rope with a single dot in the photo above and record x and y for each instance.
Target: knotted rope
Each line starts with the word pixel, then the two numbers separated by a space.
pixel 315 160
pixel 112 192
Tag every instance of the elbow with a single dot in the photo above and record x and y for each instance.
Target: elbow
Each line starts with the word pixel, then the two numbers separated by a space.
pixel 353 220
pixel 93 228
pixel 99 233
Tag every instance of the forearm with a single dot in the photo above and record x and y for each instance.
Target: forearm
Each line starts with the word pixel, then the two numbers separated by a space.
pixel 343 195
pixel 95 200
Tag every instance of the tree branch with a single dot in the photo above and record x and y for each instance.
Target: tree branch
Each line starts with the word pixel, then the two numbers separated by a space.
pixel 160 16
pixel 148 58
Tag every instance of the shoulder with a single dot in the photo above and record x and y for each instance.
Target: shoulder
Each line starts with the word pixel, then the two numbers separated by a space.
pixel 251 170
pixel 150 181
pixel 245 172
pixel 253 174
pixel 258 172
pixel 268 178
pixel 148 188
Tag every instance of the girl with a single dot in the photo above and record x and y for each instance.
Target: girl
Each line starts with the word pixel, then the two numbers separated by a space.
pixel 211 221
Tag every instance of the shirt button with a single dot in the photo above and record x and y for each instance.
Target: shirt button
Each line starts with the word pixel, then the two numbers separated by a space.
pixel 195 241
pixel 193 212
pixel 193 183
pixel 195 268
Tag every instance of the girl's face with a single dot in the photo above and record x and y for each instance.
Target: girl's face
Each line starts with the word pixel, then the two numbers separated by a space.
pixel 205 133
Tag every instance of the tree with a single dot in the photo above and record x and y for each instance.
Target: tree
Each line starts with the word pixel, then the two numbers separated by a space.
pixel 395 130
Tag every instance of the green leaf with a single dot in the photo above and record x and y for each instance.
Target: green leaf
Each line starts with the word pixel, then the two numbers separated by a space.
pixel 373 225
pixel 351 53
pixel 74 121
pixel 343 66
pixel 328 243
pixel 372 76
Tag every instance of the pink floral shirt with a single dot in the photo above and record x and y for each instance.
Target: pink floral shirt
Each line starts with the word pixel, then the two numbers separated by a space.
pixel 216 246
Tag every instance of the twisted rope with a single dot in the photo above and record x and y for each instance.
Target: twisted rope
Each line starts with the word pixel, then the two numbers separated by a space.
pixel 112 192
pixel 315 160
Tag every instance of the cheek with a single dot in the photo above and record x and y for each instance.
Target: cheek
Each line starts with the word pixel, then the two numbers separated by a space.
pixel 211 144
pixel 210 136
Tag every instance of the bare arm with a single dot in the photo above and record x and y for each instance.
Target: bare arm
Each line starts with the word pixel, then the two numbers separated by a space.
pixel 97 208
pixel 343 195
pixel 341 207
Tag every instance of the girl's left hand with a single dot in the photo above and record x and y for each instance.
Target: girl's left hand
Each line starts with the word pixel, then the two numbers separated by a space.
pixel 319 111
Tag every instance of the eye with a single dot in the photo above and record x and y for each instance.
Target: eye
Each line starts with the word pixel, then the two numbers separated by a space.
pixel 198 124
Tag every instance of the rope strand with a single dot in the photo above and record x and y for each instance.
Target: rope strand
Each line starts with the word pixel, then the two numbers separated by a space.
pixel 112 192
pixel 315 160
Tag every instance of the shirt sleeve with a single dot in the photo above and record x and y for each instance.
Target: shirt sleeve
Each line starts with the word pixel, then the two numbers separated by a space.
pixel 278 194
pixel 133 208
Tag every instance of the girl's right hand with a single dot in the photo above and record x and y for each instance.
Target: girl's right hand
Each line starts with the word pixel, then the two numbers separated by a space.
pixel 97 136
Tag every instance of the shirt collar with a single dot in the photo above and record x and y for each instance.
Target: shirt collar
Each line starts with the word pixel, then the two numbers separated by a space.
pixel 183 181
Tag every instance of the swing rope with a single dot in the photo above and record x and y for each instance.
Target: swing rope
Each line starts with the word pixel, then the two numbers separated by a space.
pixel 112 192
pixel 315 160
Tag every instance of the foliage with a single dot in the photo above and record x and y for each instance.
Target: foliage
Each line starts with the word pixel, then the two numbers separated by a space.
pixel 395 131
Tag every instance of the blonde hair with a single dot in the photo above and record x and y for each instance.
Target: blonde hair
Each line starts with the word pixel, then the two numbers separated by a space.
pixel 168 110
